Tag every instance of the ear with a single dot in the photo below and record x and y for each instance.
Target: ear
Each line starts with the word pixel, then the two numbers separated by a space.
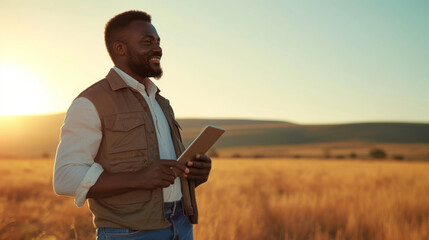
pixel 119 48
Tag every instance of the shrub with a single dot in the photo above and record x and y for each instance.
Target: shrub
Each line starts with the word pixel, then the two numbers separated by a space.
pixel 377 153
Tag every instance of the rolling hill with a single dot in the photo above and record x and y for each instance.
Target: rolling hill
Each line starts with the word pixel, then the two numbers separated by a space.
pixel 33 136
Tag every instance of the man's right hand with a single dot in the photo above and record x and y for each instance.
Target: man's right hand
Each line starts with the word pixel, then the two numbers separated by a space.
pixel 159 174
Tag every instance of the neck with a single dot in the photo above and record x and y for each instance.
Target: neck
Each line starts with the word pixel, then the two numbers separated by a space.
pixel 128 71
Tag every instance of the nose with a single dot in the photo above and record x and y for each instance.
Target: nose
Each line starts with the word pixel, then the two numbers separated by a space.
pixel 157 49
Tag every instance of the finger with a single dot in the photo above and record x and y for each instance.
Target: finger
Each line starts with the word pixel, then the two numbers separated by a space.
pixel 203 178
pixel 176 164
pixel 203 158
pixel 199 172
pixel 199 164
pixel 168 171
pixel 164 184
pixel 169 178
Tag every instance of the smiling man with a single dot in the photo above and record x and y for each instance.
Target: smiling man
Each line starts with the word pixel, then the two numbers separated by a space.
pixel 120 142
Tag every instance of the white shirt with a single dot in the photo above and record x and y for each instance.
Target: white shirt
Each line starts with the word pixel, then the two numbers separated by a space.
pixel 75 171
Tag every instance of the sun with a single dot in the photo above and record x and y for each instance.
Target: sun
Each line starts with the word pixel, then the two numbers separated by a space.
pixel 21 92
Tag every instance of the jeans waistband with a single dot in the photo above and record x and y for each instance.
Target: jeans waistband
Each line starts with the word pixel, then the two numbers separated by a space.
pixel 171 208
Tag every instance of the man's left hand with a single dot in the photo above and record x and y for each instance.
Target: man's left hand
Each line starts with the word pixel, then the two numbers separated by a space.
pixel 199 168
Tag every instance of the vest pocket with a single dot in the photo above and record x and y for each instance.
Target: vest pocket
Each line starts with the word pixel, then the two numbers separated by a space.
pixel 125 132
pixel 127 202
pixel 125 137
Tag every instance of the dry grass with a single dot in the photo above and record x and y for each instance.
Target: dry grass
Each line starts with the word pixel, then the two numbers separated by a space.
pixel 248 199
pixel 29 208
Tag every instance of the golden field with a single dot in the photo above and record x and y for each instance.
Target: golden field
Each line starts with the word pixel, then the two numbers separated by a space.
pixel 248 199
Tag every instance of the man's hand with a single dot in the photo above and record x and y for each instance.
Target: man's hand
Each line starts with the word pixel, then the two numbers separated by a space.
pixel 157 175
pixel 199 168
pixel 160 174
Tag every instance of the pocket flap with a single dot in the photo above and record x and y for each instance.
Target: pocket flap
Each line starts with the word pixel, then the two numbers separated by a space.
pixel 124 122
pixel 127 202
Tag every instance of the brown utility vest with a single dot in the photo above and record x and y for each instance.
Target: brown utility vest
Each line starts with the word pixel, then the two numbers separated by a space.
pixel 129 143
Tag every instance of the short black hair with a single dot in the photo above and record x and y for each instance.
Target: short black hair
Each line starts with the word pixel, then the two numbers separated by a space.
pixel 121 21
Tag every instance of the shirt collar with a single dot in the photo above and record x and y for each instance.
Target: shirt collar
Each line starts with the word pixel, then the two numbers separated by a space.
pixel 152 89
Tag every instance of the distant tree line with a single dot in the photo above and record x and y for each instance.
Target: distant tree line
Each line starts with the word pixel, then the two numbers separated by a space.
pixel 376 153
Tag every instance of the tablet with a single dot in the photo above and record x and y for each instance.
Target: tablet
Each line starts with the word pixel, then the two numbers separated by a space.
pixel 201 144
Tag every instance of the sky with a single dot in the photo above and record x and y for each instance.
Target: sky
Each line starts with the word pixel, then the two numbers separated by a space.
pixel 308 62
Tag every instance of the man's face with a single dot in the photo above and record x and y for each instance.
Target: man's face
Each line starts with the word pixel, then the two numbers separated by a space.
pixel 143 50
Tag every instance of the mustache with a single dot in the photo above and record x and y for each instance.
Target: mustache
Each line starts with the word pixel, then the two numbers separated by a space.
pixel 156 55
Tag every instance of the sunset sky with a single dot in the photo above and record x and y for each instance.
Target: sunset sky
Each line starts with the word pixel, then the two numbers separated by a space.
pixel 299 61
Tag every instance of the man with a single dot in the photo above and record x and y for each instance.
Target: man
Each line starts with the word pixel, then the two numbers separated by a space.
pixel 120 143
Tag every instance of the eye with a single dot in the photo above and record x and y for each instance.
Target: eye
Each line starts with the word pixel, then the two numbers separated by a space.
pixel 148 42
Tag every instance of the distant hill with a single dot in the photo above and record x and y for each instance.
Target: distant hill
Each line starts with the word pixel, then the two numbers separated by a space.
pixel 31 135
pixel 26 136
pixel 300 134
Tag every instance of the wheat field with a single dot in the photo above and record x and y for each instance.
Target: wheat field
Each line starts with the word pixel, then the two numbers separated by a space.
pixel 248 199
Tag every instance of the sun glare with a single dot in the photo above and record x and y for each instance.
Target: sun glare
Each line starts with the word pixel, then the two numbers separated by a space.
pixel 21 92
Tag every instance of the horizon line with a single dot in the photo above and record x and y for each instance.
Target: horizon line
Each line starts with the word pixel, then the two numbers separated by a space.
pixel 241 118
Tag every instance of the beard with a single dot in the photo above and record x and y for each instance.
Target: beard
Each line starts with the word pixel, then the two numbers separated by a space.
pixel 141 67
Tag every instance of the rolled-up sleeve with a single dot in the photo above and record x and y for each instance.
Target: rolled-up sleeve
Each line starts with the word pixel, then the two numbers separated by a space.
pixel 75 171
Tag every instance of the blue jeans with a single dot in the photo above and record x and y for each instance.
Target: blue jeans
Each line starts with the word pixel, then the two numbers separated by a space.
pixel 180 229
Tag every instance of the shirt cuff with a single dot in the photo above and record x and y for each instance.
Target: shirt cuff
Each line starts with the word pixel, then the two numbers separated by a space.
pixel 88 181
